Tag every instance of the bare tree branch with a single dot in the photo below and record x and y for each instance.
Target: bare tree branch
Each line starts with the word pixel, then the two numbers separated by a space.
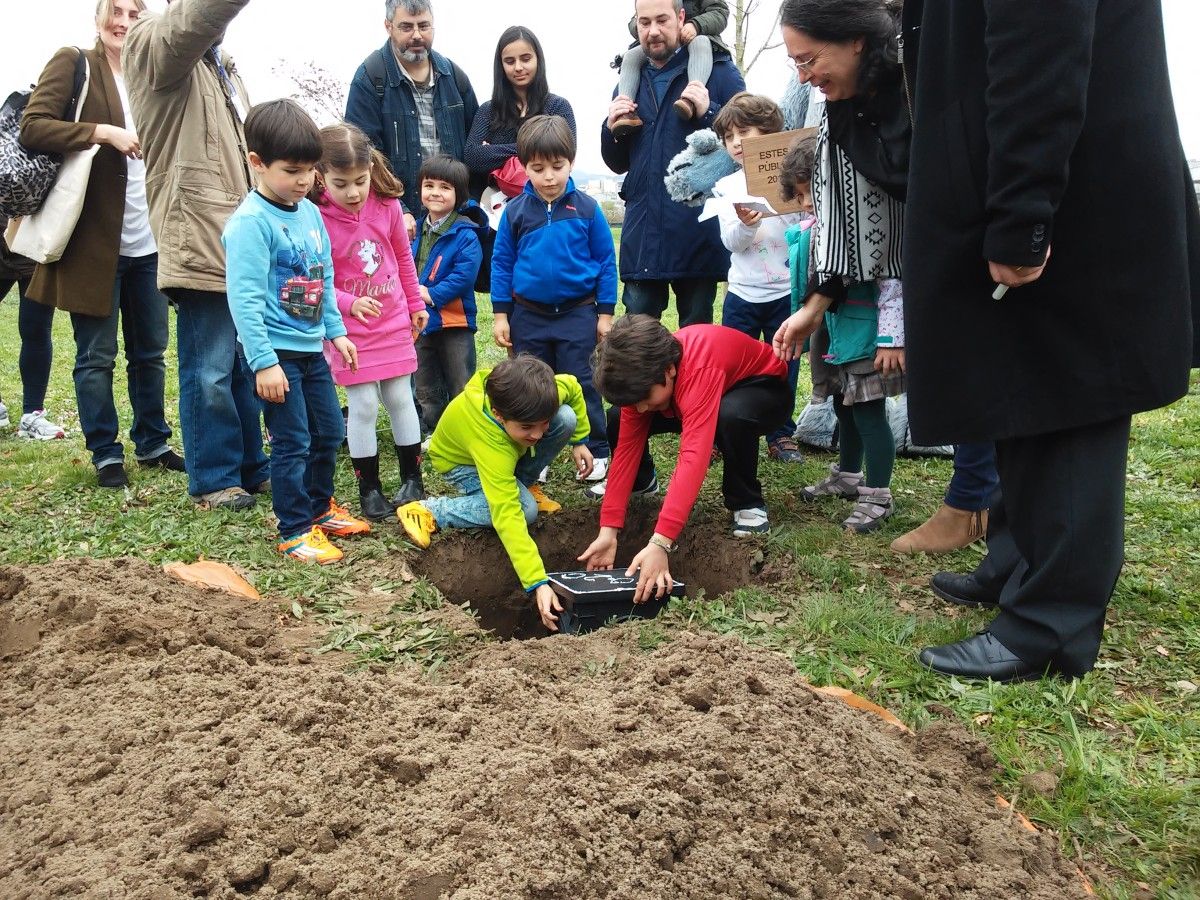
pixel 321 93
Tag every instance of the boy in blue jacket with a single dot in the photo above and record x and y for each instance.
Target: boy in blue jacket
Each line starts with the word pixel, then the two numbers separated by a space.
pixel 448 251
pixel 554 273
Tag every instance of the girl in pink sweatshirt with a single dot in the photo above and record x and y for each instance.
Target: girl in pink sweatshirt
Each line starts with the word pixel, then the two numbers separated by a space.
pixel 379 297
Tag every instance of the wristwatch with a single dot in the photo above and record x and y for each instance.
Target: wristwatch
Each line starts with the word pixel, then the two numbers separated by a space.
pixel 663 544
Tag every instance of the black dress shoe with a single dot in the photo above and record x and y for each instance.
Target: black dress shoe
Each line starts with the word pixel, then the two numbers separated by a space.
pixel 981 656
pixel 170 460
pixel 112 476
pixel 963 590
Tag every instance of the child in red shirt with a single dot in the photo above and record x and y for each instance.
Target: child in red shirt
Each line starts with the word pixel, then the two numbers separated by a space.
pixel 711 385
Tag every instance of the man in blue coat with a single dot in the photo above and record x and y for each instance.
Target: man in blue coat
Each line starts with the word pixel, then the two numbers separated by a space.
pixel 412 103
pixel 662 244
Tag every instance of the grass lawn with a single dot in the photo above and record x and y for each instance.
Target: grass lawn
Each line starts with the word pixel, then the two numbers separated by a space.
pixel 1124 741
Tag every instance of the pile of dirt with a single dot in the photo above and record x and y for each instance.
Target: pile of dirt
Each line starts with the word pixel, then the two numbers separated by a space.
pixel 157 740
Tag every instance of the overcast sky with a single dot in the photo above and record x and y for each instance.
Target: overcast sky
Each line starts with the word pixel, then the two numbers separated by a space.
pixel 580 38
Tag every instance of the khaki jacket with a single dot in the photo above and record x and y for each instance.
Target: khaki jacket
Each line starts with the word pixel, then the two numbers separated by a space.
pixel 191 135
pixel 82 280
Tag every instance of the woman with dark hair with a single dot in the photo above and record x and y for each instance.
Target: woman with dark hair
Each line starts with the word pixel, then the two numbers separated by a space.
pixel 519 92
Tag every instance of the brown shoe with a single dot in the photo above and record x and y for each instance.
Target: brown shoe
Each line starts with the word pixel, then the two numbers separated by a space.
pixel 947 530
pixel 684 109
pixel 622 128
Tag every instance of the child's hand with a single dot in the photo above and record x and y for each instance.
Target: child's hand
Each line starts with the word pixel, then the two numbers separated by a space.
pixel 271 383
pixel 583 460
pixel 364 308
pixel 749 217
pixel 425 296
pixel 603 327
pixel 500 331
pixel 602 552
pixel 547 605
pixel 654 579
pixel 688 33
pixel 410 225
pixel 890 360
pixel 419 320
pixel 349 352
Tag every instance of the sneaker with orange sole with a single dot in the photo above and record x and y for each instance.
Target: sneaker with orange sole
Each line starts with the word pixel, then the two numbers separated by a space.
pixel 339 521
pixel 312 546
pixel 544 503
pixel 418 522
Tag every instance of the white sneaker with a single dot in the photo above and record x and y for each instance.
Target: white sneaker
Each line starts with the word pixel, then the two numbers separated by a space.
pixel 599 471
pixel 544 475
pixel 37 427
pixel 750 521
pixel 596 491
pixel 5 421
pixel 425 443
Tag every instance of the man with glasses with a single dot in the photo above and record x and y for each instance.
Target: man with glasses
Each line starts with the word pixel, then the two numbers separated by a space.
pixel 412 102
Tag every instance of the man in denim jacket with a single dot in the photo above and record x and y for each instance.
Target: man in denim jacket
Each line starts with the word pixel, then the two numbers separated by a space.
pixel 412 103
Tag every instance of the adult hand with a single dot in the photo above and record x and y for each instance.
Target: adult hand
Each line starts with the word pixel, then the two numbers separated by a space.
pixel 500 331
pixel 696 93
pixel 788 342
pixel 419 320
pixel 271 383
pixel 621 107
pixel 1015 276
pixel 547 605
pixel 603 327
pixel 890 360
pixel 364 308
pixel 349 352
pixel 583 460
pixel 602 552
pixel 688 33
pixel 122 140
pixel 748 215
pixel 410 225
pixel 654 580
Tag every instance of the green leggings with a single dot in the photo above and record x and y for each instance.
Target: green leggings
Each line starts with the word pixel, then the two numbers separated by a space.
pixel 864 430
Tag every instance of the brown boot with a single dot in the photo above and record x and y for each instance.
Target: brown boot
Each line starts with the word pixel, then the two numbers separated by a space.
pixel 947 530
pixel 622 128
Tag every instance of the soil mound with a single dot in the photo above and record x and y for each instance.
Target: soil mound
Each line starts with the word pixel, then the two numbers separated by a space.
pixel 157 740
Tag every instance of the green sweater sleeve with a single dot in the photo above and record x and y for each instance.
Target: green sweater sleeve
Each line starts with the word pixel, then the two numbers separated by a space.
pixel 712 18
pixel 504 503
pixel 571 393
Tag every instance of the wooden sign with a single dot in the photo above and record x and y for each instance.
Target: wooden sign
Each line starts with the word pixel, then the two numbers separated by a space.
pixel 762 159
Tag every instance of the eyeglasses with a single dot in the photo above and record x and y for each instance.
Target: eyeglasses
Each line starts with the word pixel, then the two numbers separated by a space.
pixel 807 65
pixel 409 28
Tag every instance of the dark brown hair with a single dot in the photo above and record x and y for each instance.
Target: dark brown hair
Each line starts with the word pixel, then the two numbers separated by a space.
pixel 633 359
pixel 545 137
pixel 798 165
pixel 281 129
pixel 346 147
pixel 746 110
pixel 523 389
pixel 441 167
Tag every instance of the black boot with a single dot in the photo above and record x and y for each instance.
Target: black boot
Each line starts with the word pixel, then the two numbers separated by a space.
pixel 411 486
pixel 370 492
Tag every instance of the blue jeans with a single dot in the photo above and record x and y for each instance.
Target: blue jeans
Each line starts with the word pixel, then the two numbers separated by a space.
pixel 470 510
pixel 975 477
pixel 306 431
pixel 694 298
pixel 218 408
pixel 565 343
pixel 141 310
pixel 445 363
pixel 761 321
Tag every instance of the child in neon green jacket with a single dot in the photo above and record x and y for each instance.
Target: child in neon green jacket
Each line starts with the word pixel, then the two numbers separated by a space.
pixel 491 442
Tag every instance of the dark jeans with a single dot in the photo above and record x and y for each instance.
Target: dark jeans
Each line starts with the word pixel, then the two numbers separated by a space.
pixel 218 407
pixel 445 363
pixel 750 408
pixel 694 298
pixel 141 310
pixel 761 321
pixel 306 431
pixel 34 325
pixel 1056 542
pixel 565 343
pixel 975 478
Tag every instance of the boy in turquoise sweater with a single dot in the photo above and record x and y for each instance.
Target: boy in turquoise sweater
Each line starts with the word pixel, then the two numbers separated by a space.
pixel 491 442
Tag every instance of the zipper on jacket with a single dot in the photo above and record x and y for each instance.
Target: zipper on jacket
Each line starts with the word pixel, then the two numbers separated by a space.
pixel 904 77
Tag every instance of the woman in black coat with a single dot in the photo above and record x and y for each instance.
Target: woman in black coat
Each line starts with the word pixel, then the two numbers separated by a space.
pixel 1040 163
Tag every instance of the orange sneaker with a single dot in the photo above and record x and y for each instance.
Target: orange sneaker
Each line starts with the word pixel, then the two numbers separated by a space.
pixel 312 546
pixel 544 503
pixel 339 521
pixel 418 522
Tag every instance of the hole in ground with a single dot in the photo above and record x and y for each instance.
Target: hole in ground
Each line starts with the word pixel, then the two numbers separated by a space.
pixel 472 566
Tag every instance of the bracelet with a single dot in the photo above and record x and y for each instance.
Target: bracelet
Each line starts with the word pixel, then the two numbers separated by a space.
pixel 663 544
